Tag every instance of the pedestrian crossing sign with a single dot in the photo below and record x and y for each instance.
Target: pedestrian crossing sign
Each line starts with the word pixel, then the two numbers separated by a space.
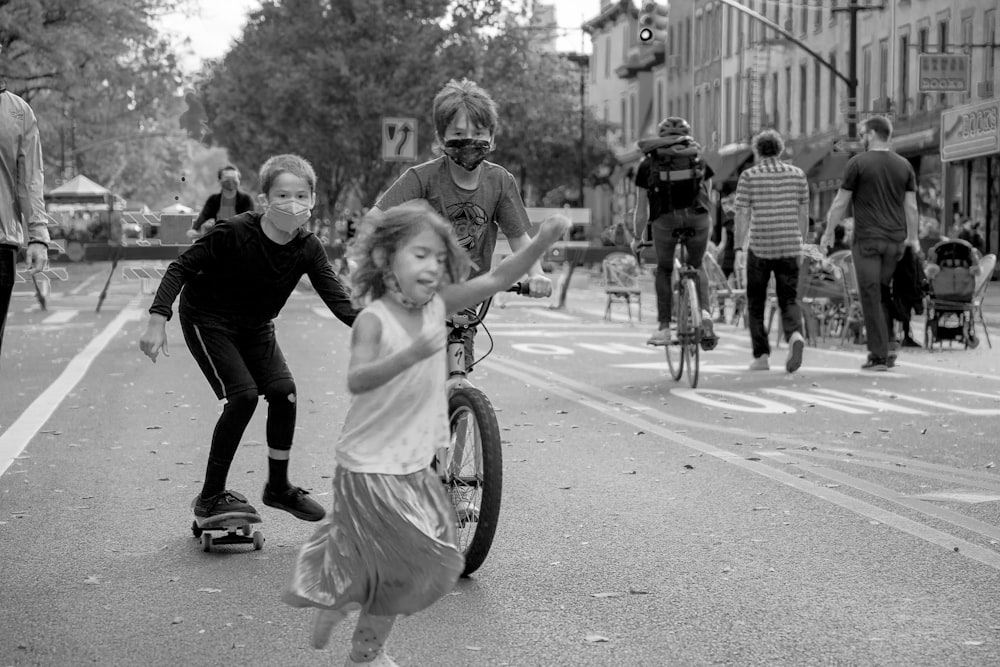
pixel 399 139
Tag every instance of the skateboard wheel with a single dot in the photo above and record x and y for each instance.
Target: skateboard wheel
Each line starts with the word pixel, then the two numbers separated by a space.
pixel 195 529
pixel 206 541
pixel 246 530
pixel 258 540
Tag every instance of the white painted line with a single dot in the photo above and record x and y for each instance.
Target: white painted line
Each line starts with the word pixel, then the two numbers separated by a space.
pixel 608 404
pixel 19 434
pixel 79 288
pixel 61 316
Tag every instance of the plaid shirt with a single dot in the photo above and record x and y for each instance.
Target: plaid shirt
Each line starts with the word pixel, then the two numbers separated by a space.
pixel 772 191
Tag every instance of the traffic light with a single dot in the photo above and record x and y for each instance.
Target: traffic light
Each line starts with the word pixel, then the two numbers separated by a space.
pixel 653 21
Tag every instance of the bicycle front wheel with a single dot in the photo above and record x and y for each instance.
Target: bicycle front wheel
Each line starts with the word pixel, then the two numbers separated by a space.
pixel 691 343
pixel 473 472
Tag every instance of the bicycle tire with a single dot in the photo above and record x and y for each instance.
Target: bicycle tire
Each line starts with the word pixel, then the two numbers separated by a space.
pixel 675 360
pixel 474 491
pixel 692 342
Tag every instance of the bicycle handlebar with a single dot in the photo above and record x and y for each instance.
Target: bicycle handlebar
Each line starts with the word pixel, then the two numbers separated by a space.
pixel 522 288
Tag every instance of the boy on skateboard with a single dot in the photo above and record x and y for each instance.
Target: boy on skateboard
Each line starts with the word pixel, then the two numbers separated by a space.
pixel 236 279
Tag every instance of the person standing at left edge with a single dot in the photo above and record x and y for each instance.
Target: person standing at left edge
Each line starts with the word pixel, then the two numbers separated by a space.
pixel 21 195
pixel 236 280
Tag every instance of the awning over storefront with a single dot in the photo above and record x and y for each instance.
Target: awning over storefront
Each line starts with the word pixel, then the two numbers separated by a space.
pixel 807 159
pixel 828 172
pixel 727 165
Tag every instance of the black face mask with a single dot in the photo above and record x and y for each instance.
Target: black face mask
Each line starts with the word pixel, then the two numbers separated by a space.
pixel 467 153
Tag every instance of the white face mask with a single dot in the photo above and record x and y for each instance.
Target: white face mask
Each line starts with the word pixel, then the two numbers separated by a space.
pixel 288 216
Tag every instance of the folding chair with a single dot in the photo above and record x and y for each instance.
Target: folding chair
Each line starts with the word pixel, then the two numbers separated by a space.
pixel 849 314
pixel 621 282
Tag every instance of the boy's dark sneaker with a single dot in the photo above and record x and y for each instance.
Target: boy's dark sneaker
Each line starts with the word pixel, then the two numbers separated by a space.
pixel 875 364
pixel 225 505
pixel 890 361
pixel 295 501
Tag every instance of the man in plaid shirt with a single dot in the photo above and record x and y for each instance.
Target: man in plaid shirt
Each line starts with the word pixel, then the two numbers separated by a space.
pixel 772 218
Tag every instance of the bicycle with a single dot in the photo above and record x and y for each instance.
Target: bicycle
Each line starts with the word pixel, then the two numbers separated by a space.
pixel 683 348
pixel 471 466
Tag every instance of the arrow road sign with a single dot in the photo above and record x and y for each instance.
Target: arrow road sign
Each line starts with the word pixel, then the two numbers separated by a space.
pixel 848 146
pixel 399 139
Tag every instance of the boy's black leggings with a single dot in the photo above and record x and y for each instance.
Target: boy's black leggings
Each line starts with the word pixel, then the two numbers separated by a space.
pixel 241 364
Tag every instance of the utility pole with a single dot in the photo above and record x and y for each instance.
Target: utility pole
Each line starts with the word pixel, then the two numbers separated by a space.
pixel 852 9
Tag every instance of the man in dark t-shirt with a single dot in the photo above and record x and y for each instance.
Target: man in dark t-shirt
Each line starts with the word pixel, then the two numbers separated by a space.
pixel 881 188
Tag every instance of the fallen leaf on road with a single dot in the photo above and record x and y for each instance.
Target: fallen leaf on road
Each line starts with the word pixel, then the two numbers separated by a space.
pixel 594 639
pixel 689 466
pixel 209 590
pixel 92 580
pixel 637 591
pixel 832 486
pixel 990 464
pixel 153 428
pixel 474 648
pixel 177 620
pixel 606 595
pixel 562 412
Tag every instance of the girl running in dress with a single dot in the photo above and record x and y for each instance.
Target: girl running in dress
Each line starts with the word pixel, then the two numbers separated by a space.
pixel 387 547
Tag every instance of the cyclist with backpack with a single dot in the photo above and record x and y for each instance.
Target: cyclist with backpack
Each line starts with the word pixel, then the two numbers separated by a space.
pixel 677 183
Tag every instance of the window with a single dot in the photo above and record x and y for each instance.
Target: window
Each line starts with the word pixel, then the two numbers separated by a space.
pixel 687 41
pixel 817 95
pixel 883 71
pixel 659 100
pixel 818 16
pixel 730 31
pixel 607 58
pixel 866 79
pixel 788 99
pixel 831 101
pixel 803 99
pixel 943 48
pixel 967 39
pixel 923 99
pixel 989 37
pixel 774 101
pixel 697 109
pixel 903 104
pixel 727 115
pixel 805 17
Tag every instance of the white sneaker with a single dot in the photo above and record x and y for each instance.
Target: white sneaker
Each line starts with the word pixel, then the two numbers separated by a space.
pixel 760 364
pixel 659 337
pixel 795 345
pixel 381 660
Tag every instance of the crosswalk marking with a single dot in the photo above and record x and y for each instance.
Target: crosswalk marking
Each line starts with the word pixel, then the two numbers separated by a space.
pixel 61 316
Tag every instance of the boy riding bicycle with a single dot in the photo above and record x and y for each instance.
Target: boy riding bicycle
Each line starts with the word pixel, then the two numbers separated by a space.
pixel 478 197
pixel 677 184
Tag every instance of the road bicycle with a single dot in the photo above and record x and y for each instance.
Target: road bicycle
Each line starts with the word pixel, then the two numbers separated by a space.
pixel 683 349
pixel 471 465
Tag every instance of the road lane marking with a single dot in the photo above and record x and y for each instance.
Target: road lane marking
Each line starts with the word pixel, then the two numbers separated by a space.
pixel 86 283
pixel 609 404
pixel 838 400
pixel 924 507
pixel 19 434
pixel 924 401
pixel 61 316
pixel 910 467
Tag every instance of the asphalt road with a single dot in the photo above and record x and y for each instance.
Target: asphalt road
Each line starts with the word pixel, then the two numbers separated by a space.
pixel 831 517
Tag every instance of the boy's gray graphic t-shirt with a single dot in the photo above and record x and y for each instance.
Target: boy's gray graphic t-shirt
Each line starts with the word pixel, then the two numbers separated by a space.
pixel 476 214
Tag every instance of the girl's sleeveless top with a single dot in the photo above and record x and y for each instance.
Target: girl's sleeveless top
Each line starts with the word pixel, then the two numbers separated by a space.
pixel 396 428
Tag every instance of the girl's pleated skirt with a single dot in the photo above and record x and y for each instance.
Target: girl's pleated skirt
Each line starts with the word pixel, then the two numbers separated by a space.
pixel 388 545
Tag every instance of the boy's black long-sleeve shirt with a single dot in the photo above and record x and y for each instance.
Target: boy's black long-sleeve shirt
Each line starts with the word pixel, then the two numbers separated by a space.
pixel 235 275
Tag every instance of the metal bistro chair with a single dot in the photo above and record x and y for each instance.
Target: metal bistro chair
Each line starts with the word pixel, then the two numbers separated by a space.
pixel 621 282
pixel 986 266
pixel 849 314
pixel 720 286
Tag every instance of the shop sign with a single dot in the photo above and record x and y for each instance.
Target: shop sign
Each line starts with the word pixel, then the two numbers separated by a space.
pixel 943 73
pixel 970 131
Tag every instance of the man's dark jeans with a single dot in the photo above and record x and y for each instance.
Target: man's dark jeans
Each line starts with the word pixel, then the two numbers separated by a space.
pixel 786 285
pixel 665 245
pixel 8 264
pixel 874 263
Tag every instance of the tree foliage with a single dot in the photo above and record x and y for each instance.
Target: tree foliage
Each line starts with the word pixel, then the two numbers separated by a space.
pixel 103 84
pixel 315 77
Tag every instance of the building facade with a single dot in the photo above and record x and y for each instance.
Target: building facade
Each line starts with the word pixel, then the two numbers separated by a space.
pixel 732 76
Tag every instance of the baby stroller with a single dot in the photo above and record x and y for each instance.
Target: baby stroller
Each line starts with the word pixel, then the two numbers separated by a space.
pixel 952 267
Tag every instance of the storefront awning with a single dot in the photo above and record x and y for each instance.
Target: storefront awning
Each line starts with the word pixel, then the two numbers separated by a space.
pixel 727 166
pixel 806 160
pixel 828 172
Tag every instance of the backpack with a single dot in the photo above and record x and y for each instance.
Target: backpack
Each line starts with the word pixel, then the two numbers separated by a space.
pixel 677 176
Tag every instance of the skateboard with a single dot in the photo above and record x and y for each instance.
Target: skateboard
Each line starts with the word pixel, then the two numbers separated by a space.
pixel 237 529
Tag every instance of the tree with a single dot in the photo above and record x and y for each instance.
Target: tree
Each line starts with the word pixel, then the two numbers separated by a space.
pixel 100 80
pixel 315 78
